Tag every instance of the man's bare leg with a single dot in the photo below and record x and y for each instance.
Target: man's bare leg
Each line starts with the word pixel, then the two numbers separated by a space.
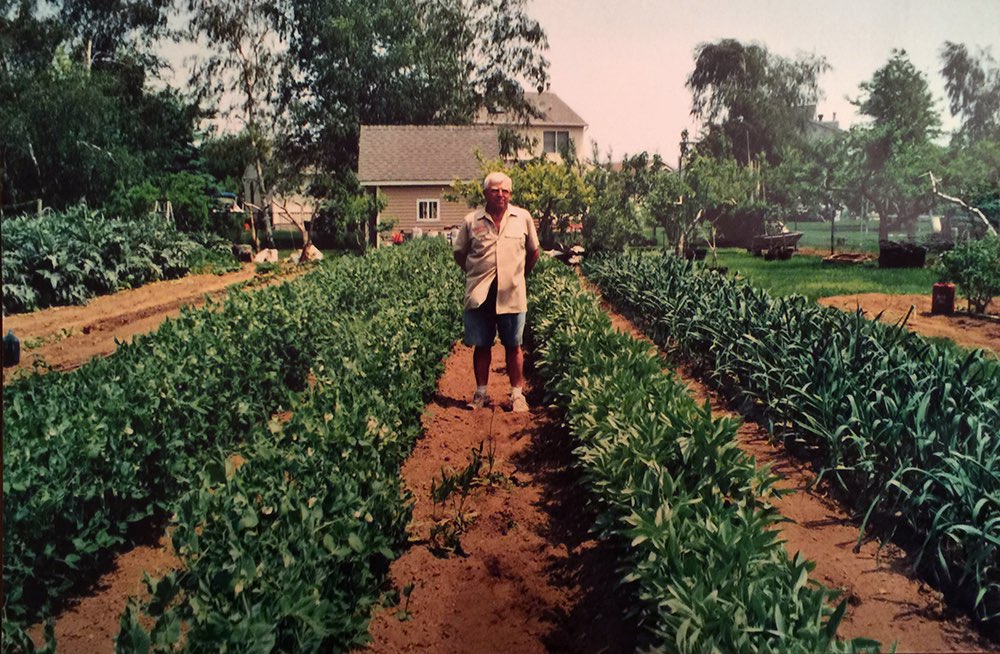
pixel 482 357
pixel 515 366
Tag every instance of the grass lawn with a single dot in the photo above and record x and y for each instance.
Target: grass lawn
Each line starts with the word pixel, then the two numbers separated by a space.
pixel 852 235
pixel 807 275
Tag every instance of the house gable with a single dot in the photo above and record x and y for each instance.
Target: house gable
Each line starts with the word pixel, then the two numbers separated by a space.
pixel 550 131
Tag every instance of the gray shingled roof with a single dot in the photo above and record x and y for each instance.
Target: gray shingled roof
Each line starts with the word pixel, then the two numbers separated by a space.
pixel 555 112
pixel 423 153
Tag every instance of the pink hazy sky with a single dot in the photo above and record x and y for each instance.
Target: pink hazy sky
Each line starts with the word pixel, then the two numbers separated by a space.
pixel 622 64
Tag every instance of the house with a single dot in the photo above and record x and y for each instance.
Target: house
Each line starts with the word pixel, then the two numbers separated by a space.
pixel 817 129
pixel 414 165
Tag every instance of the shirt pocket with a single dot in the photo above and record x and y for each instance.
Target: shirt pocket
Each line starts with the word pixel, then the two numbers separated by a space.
pixel 514 241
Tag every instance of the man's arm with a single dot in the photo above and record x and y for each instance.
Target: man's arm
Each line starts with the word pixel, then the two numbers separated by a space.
pixel 532 247
pixel 460 248
pixel 530 259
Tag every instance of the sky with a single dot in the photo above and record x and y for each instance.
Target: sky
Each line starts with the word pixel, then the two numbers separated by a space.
pixel 622 64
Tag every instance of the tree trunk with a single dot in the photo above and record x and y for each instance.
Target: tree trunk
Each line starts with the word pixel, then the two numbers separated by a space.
pixel 265 210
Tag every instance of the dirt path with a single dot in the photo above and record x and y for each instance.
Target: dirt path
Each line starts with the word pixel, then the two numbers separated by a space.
pixel 90 625
pixel 529 578
pixel 886 601
pixel 963 329
pixel 67 337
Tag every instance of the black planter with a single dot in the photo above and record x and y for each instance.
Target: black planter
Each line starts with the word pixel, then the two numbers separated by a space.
pixel 901 255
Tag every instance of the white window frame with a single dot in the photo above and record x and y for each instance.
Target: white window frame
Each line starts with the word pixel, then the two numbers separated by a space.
pixel 437 210
pixel 560 139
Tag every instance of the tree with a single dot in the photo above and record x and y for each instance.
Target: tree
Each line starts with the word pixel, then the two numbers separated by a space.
pixel 74 126
pixel 402 62
pixel 805 182
pixel 245 60
pixel 680 201
pixel 226 156
pixel 613 219
pixel 973 86
pixel 887 161
pixel 750 101
pixel 555 193
pixel 970 174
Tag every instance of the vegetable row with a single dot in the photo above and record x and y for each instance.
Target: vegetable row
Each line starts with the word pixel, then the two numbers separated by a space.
pixel 908 430
pixel 93 458
pixel 68 257
pixel 703 555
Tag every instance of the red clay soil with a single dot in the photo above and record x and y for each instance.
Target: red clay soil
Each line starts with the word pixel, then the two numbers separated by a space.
pixel 528 578
pixel 70 336
pixel 90 625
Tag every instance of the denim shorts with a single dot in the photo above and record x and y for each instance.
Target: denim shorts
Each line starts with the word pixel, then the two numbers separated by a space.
pixel 482 324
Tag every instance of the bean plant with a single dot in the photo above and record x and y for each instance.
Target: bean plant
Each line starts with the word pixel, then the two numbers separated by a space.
pixel 96 457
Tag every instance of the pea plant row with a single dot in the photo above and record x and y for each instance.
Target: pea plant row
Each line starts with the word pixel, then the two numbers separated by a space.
pixel 907 430
pixel 271 430
pixel 693 513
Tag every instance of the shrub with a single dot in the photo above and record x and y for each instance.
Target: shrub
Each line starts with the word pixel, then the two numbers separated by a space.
pixel 975 267
pixel 190 196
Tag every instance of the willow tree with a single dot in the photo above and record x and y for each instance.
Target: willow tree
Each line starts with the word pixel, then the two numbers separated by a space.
pixel 398 62
pixel 245 58
pixel 751 101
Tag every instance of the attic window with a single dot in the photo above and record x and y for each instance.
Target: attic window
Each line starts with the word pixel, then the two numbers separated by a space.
pixel 555 141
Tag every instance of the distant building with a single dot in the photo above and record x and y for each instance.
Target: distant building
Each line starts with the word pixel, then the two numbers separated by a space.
pixel 551 133
pixel 414 165
pixel 817 129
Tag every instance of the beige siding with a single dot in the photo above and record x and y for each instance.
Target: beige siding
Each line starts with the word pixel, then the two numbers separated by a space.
pixel 402 205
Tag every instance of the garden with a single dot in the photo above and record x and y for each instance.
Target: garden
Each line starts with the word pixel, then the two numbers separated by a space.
pixel 725 451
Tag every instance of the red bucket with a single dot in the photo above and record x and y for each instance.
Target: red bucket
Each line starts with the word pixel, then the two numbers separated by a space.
pixel 943 299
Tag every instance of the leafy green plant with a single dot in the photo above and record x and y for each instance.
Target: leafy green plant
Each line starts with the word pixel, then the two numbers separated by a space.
pixel 975 267
pixel 691 512
pixel 149 431
pixel 446 533
pixel 404 615
pixel 902 427
pixel 69 257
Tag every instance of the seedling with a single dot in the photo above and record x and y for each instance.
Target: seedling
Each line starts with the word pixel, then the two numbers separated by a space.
pixel 404 615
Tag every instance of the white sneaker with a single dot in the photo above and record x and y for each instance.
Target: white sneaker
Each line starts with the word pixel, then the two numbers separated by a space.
pixel 480 400
pixel 518 404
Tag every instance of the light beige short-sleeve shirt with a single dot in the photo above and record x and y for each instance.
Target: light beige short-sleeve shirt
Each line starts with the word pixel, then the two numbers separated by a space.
pixel 500 254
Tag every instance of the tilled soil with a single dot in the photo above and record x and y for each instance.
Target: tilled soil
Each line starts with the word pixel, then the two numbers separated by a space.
pixel 63 338
pixel 528 577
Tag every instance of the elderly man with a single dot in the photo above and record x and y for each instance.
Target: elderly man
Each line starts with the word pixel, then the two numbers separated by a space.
pixel 495 246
